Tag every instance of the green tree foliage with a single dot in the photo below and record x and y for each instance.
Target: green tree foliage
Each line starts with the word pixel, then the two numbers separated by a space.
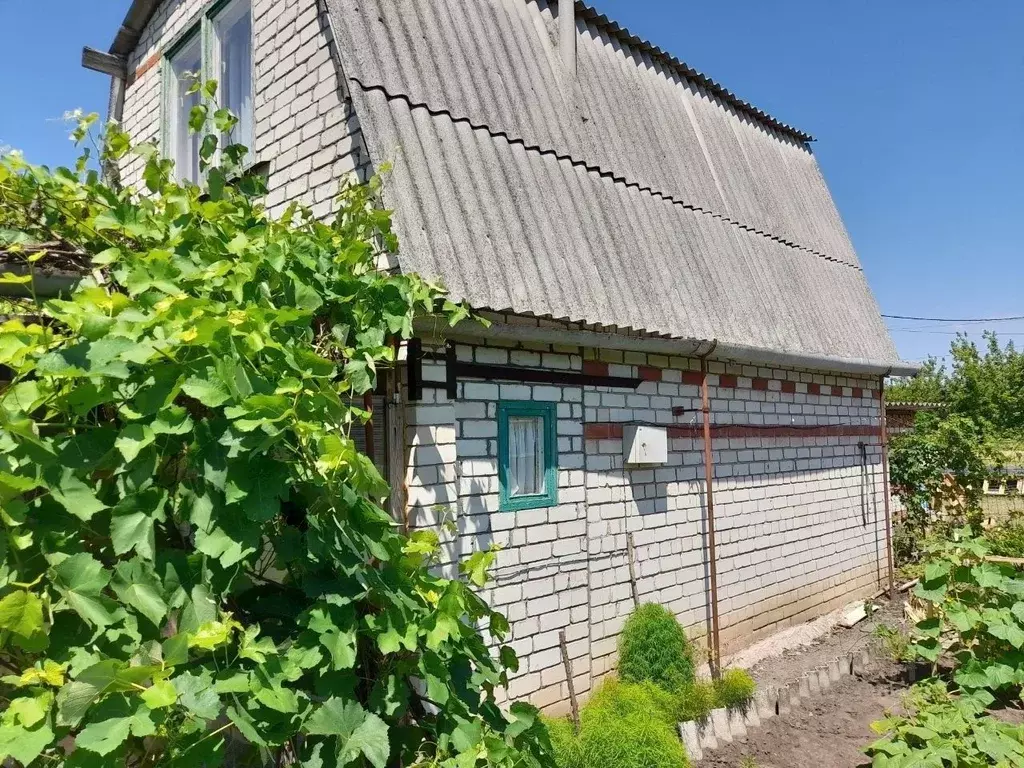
pixel 195 566
pixel 984 384
pixel 927 387
pixel 937 470
pixel 653 646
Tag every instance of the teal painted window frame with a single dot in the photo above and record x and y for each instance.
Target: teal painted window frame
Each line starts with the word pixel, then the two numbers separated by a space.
pixel 528 408
pixel 203 27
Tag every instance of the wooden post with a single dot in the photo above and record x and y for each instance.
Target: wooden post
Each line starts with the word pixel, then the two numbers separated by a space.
pixel 573 703
pixel 632 569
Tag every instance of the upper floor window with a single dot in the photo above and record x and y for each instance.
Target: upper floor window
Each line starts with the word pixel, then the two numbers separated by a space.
pixel 220 49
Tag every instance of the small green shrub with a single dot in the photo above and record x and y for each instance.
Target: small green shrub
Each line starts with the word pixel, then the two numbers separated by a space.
pixel 616 698
pixel 695 700
pixel 1008 539
pixel 895 641
pixel 623 725
pixel 564 743
pixel 735 688
pixel 653 646
pixel 634 741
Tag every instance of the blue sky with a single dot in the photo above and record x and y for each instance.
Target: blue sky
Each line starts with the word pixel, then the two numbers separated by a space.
pixel 917 105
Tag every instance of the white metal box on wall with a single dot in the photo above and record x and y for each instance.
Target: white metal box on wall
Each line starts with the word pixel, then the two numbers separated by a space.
pixel 644 444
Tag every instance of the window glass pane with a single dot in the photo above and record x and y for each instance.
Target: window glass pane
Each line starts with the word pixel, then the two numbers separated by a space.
pixel 232 30
pixel 184 148
pixel 525 455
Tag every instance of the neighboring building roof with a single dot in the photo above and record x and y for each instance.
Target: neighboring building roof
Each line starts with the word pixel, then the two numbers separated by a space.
pixel 913 406
pixel 634 194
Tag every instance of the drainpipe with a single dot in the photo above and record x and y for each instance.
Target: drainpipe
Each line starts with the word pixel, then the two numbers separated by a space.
pixel 884 437
pixel 709 472
pixel 567 35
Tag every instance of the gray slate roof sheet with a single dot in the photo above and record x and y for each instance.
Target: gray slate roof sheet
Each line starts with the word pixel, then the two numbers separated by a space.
pixel 633 195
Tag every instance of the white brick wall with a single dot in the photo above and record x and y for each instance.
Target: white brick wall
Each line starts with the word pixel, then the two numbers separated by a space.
pixel 305 128
pixel 799 519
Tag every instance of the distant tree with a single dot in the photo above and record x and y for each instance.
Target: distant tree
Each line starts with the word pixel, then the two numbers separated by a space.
pixel 927 387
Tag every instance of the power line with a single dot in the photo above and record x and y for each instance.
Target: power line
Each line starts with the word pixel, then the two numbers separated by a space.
pixel 956 320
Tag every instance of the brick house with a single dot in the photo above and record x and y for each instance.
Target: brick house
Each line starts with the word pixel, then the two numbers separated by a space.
pixel 649 247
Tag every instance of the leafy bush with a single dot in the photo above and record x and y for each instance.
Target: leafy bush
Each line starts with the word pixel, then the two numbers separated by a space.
pixel 734 689
pixel 1007 540
pixel 937 470
pixel 694 701
pixel 196 567
pixel 895 641
pixel 945 731
pixel 972 611
pixel 623 725
pixel 653 646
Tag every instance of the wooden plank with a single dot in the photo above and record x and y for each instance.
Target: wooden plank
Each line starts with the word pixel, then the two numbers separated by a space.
pixel 107 63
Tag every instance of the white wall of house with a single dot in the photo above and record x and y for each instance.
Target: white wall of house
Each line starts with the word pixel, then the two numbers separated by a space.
pixel 305 129
pixel 799 511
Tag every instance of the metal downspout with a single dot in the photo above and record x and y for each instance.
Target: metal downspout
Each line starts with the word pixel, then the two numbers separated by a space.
pixel 884 437
pixel 709 472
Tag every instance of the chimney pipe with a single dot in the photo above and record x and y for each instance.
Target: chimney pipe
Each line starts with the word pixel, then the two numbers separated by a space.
pixel 567 35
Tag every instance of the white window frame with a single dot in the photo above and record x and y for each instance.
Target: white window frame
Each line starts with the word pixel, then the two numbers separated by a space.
pixel 209 64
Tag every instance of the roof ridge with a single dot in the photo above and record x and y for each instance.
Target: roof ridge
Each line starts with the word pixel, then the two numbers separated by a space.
pixel 601 20
pixel 599 171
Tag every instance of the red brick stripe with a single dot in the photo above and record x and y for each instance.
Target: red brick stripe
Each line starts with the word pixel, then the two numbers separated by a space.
pixel 144 67
pixel 789 387
pixel 595 431
pixel 693 378
pixel 760 385
pixel 728 380
pixel 650 374
pixel 606 431
pixel 814 389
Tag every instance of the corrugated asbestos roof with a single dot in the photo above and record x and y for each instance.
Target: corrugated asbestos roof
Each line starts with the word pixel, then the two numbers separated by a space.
pixel 632 195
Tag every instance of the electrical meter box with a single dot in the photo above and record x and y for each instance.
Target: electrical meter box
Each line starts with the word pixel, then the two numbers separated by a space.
pixel 643 445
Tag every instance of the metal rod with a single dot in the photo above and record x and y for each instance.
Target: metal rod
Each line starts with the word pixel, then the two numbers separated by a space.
pixel 630 553
pixel 709 473
pixel 884 437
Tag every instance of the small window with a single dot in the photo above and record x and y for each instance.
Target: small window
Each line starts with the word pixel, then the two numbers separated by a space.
pixel 527 455
pixel 1011 485
pixel 225 35
pixel 994 486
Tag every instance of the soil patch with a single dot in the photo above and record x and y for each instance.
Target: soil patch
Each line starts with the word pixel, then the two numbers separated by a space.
pixel 838 642
pixel 828 731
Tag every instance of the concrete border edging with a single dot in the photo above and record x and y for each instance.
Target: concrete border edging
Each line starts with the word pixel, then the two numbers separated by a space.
pixel 724 725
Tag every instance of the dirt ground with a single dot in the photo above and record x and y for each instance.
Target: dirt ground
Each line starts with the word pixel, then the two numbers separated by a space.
pixel 828 731
pixel 780 669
